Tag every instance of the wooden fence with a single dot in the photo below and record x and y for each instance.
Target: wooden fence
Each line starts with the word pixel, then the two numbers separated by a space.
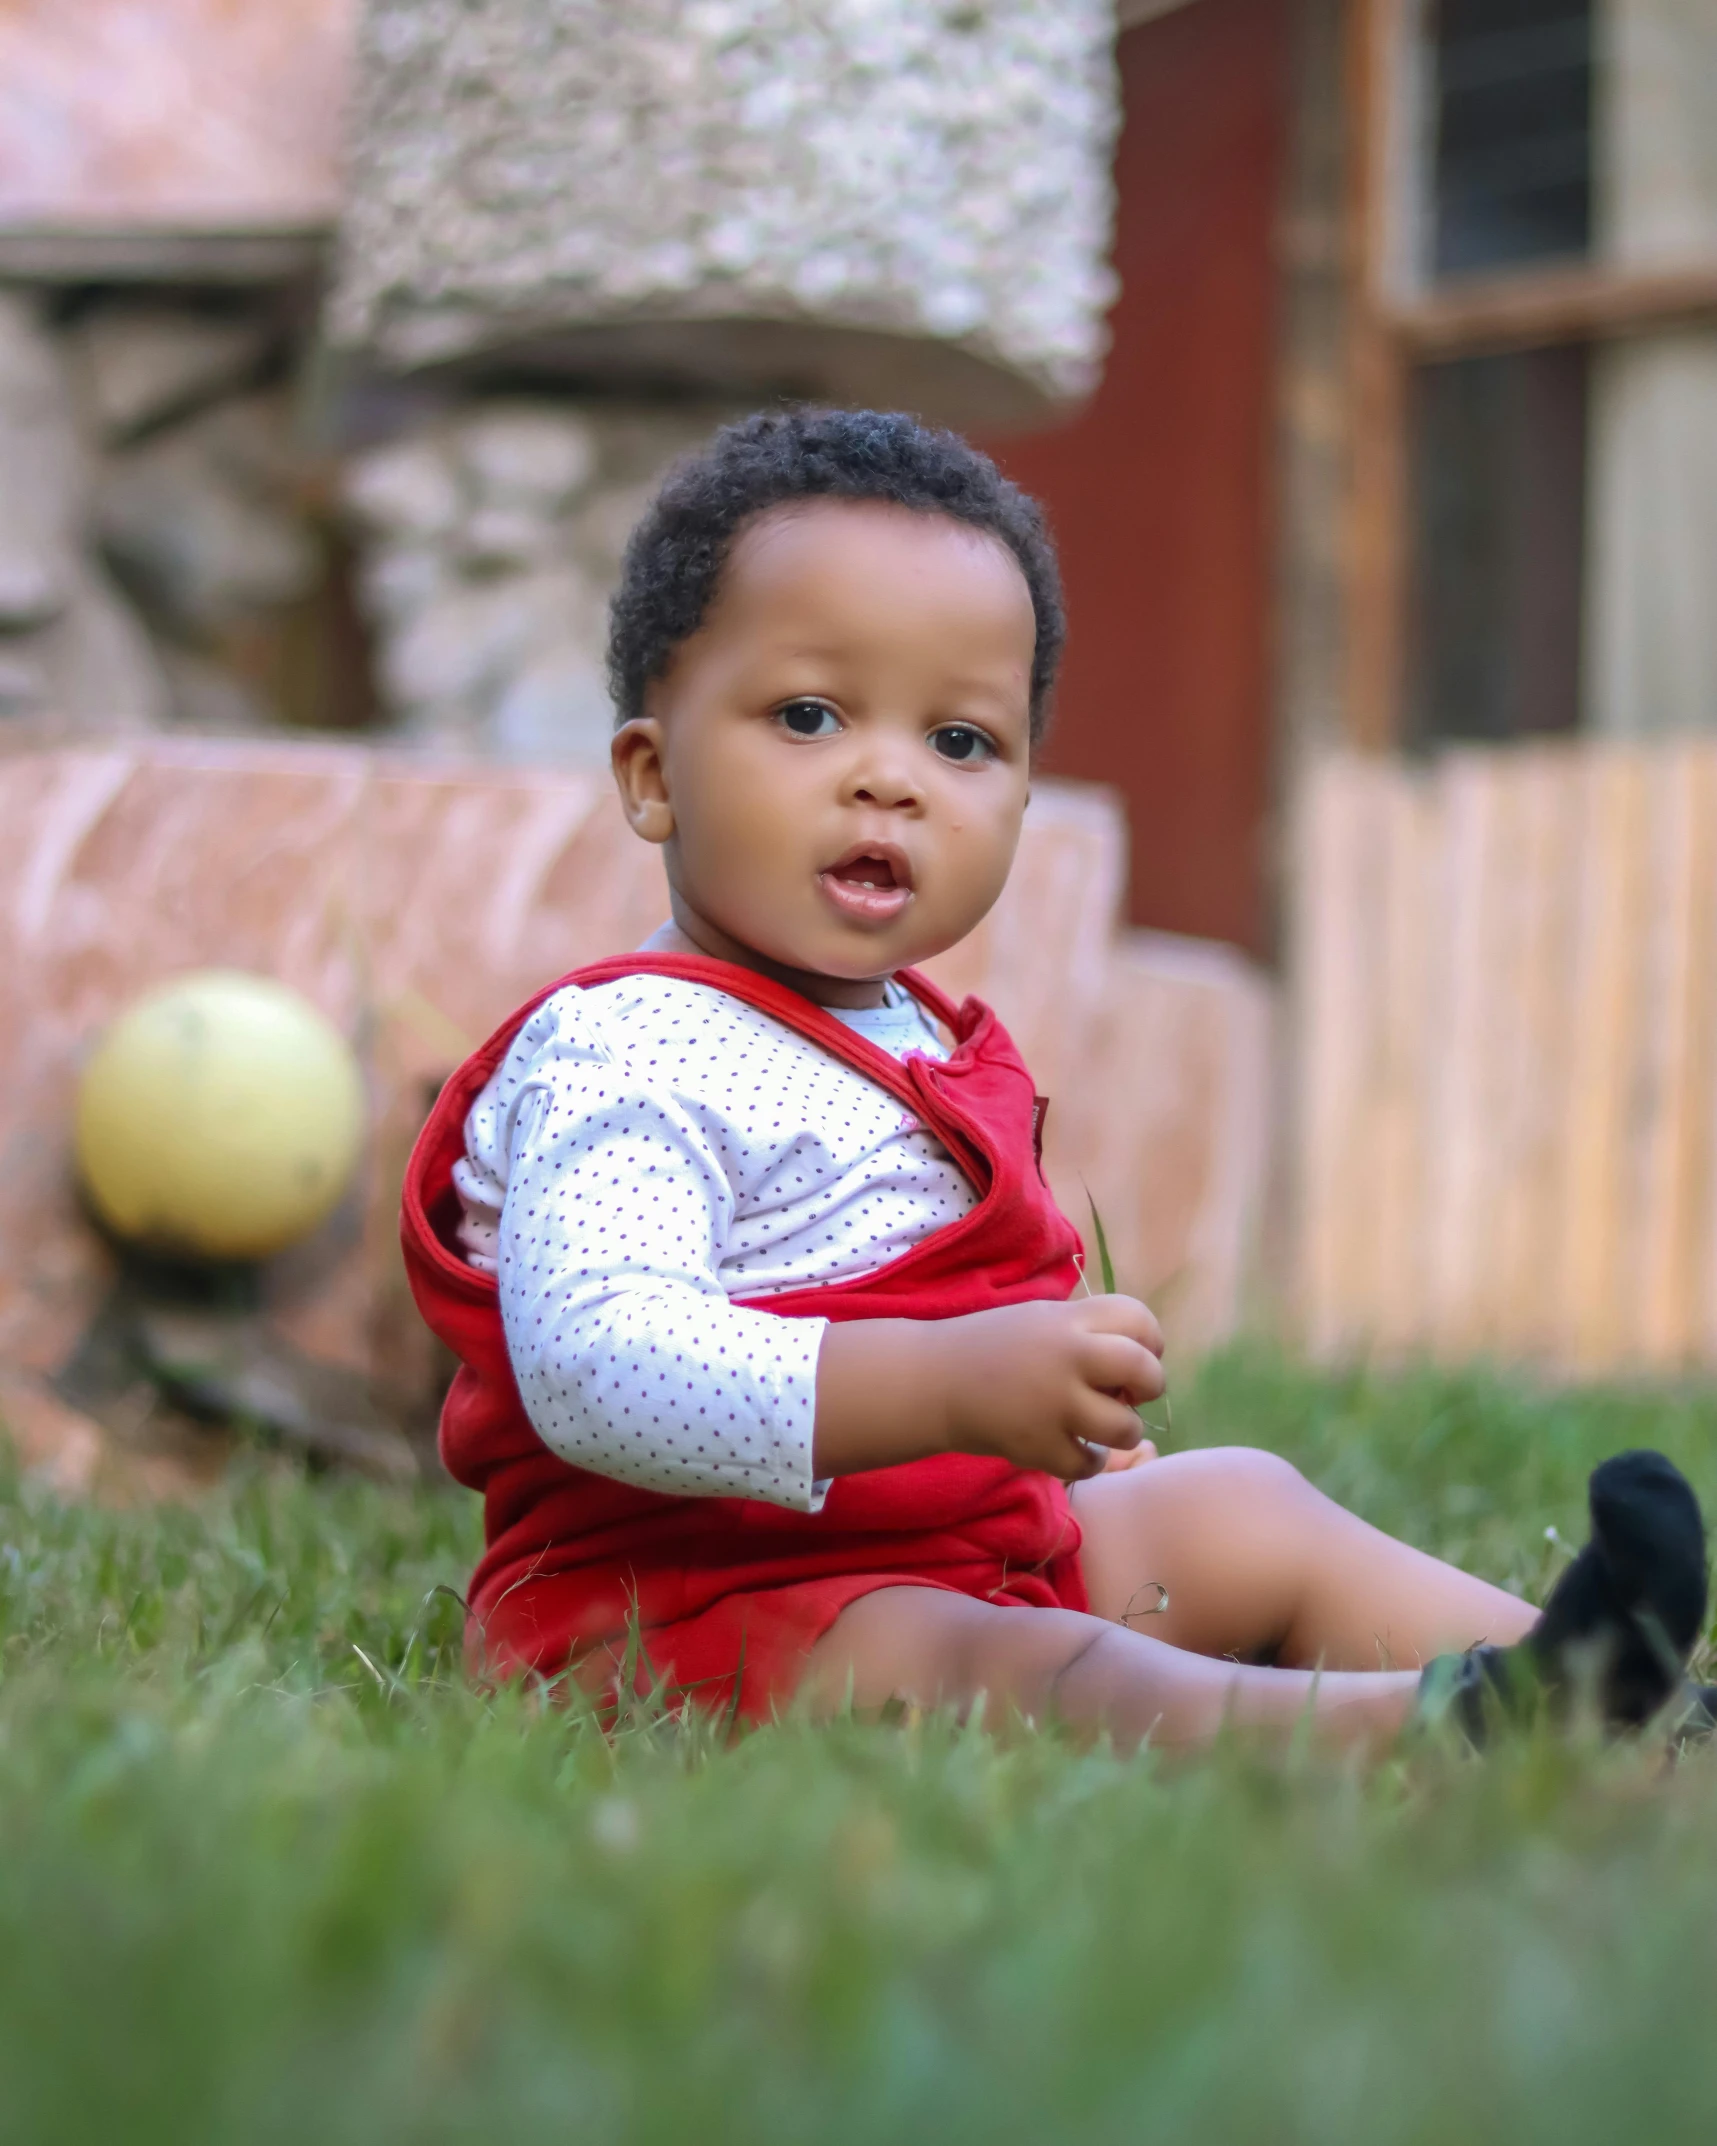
pixel 1505 1057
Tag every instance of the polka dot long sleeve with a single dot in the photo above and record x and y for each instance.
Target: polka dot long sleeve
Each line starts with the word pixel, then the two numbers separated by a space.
pixel 649 1150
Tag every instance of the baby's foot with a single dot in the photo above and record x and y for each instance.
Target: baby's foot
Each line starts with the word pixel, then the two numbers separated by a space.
pixel 1695 1719
pixel 1620 1622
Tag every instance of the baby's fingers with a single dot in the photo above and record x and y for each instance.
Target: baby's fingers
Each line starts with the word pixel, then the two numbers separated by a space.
pixel 1106 1422
pixel 1114 1364
pixel 1076 1459
pixel 1125 1315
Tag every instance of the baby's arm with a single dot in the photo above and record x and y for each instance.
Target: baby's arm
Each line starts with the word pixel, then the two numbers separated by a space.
pixel 631 1359
pixel 1045 1385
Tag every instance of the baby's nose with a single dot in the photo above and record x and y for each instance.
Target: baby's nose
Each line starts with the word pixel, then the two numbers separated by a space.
pixel 884 783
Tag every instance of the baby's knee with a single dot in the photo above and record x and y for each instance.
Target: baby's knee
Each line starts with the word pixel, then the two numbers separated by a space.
pixel 1261 1473
pixel 1248 1477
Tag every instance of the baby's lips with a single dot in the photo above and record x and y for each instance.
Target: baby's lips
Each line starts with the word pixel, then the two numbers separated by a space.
pixel 894 860
pixel 871 905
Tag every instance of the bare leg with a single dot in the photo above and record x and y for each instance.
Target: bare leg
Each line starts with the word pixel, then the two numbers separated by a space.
pixel 934 1648
pixel 1258 1566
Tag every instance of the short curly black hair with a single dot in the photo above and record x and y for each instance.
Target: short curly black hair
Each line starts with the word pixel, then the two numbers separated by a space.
pixel 675 556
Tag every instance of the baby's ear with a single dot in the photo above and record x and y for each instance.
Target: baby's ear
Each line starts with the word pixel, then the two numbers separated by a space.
pixel 636 758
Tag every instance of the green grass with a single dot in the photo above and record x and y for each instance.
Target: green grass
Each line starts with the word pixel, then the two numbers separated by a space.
pixel 270 1871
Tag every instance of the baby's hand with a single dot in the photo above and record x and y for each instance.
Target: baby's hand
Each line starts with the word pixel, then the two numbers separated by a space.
pixel 1052 1386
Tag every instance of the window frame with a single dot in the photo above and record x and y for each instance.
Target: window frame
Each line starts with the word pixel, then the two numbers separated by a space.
pixel 1399 318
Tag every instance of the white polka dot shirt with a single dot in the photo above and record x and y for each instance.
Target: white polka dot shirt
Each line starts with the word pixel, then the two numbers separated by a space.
pixel 647 1151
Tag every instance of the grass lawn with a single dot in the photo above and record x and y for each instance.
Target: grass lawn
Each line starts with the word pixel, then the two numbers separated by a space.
pixel 270 1871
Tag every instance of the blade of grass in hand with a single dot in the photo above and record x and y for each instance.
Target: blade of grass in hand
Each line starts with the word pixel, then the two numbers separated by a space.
pixel 1106 1267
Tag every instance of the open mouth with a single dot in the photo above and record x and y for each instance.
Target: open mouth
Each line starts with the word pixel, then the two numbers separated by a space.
pixel 870 885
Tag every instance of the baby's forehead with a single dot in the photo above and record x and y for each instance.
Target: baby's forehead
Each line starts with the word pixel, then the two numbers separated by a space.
pixel 832 520
pixel 860 599
pixel 850 555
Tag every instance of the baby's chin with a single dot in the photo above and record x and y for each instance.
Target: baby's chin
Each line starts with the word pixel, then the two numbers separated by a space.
pixel 865 958
pixel 864 965
pixel 828 978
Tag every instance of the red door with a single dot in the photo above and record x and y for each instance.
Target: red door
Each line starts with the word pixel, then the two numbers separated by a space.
pixel 1160 491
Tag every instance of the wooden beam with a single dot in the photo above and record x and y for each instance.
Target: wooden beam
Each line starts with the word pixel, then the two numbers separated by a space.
pixel 49 253
pixel 1375 521
pixel 1566 305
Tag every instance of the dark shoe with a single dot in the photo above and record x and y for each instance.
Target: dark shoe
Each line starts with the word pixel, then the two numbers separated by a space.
pixel 1478 1692
pixel 1618 1627
pixel 1622 1620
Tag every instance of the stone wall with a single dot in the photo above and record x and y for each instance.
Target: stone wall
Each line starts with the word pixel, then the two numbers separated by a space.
pixel 623 222
pixel 900 200
pixel 168 552
pixel 68 642
pixel 491 543
pixel 176 554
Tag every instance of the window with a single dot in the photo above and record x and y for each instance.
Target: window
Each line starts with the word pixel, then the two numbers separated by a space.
pixel 1511 128
pixel 1498 532
pixel 1535 450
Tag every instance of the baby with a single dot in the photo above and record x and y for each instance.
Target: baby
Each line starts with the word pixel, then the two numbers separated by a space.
pixel 777 1374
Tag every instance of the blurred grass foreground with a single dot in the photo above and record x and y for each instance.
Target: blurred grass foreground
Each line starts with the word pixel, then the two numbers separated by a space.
pixel 272 1870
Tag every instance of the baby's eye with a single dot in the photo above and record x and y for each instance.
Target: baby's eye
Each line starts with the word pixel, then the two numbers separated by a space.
pixel 960 741
pixel 809 718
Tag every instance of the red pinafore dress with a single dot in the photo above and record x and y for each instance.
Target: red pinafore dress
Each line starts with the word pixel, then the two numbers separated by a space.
pixel 729 1594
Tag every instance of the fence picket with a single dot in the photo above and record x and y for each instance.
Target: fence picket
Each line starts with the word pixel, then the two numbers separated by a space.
pixel 1506 1056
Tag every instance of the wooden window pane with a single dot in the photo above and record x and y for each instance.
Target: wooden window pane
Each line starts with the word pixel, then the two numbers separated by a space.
pixel 1512 132
pixel 1498 484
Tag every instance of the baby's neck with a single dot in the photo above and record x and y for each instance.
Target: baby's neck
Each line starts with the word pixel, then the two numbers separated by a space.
pixel 696 936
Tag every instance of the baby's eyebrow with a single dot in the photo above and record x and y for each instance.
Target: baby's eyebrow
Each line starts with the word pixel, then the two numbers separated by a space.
pixel 810 652
pixel 1010 693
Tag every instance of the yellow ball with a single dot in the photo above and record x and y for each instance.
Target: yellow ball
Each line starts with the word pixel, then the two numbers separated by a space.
pixel 220 1118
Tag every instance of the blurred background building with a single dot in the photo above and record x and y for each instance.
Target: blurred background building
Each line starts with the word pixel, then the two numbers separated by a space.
pixel 1363 351
pixel 371 325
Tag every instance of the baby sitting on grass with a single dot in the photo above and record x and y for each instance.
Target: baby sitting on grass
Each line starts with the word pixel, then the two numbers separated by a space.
pixel 776 1372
